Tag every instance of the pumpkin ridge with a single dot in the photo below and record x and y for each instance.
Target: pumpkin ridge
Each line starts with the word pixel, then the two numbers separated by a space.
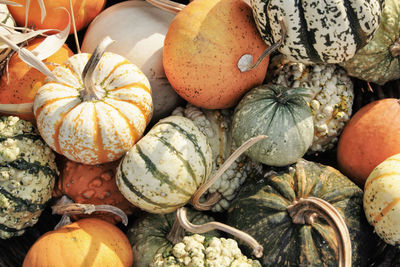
pixel 299 131
pixel 127 86
pixel 360 37
pixel 179 155
pixel 369 181
pixel 48 102
pixel 156 173
pixel 30 206
pixel 60 83
pixel 385 210
pixel 192 139
pixel 116 66
pixel 132 102
pixel 132 188
pixel 97 137
pixel 78 76
pixel 323 231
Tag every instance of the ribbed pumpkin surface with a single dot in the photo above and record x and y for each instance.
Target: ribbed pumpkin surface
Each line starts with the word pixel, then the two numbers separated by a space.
pixel 99 131
pixel 318 31
pixel 260 209
pixel 163 170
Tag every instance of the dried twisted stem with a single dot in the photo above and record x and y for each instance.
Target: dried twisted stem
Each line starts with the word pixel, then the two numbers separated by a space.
pixel 167 5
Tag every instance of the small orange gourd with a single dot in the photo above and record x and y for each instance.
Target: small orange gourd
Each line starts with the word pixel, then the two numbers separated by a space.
pixel 202 48
pixel 371 136
pixel 92 184
pixel 87 242
pixel 56 17
pixel 20 82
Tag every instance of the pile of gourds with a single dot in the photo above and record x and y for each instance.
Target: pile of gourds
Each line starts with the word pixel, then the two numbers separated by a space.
pixel 197 119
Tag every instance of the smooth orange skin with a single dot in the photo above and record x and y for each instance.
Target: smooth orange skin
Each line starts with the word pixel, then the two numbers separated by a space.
pixel 84 12
pixel 87 242
pixel 371 136
pixel 92 184
pixel 202 48
pixel 22 81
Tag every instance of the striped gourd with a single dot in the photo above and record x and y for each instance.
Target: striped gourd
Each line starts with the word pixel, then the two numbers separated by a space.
pixel 6 19
pixel 318 31
pixel 94 123
pixel 163 170
pixel 27 175
pixel 382 199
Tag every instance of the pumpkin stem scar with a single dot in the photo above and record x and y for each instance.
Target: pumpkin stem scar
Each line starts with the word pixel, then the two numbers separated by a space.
pixel 91 91
pixel 167 5
pixel 245 62
pixel 306 210
pixel 204 187
pixel 395 48
pixel 203 228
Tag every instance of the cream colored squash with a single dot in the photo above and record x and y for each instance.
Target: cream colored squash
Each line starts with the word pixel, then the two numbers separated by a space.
pixel 139 29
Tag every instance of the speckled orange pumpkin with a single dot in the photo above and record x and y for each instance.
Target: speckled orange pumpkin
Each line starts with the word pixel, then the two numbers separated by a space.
pixel 21 82
pixel 92 184
pixel 202 48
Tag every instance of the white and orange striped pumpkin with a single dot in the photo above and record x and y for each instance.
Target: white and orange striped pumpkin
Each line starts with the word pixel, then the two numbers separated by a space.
pixel 382 199
pixel 94 118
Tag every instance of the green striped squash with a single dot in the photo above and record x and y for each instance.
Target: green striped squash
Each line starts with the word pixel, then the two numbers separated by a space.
pixel 27 176
pixel 5 18
pixel 163 170
pixel 261 209
pixel 382 199
pixel 328 31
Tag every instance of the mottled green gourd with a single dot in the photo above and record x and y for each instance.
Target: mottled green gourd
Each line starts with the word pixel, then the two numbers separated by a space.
pixel 27 175
pixel 379 60
pixel 280 113
pixel 148 235
pixel 263 209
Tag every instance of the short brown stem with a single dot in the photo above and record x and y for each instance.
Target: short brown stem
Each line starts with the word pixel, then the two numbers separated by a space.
pixel 204 228
pixel 177 232
pixel 395 48
pixel 214 198
pixel 305 211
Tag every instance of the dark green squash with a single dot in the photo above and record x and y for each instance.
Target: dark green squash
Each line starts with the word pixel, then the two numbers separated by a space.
pixel 261 210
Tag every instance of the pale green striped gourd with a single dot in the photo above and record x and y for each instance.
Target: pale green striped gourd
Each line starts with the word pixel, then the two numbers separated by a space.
pixel 163 169
pixel 328 31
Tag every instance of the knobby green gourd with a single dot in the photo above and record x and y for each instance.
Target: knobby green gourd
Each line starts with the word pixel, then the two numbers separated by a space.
pixel 270 209
pixel 281 114
pixel 379 60
pixel 164 168
pixel 318 31
pixel 27 176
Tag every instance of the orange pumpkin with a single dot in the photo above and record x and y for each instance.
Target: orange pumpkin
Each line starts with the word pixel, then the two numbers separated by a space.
pixel 56 18
pixel 87 242
pixel 92 184
pixel 371 136
pixel 202 48
pixel 21 82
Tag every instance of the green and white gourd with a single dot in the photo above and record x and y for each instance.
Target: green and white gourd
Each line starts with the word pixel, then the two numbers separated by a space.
pixel 328 31
pixel 200 251
pixel 7 20
pixel 217 126
pixel 161 172
pixel 27 176
pixel 331 97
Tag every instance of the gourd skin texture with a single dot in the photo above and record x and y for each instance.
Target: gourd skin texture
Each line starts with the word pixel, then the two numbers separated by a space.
pixel 163 170
pixel 381 199
pixel 148 234
pixel 27 176
pixel 371 136
pixel 95 131
pixel 260 210
pixel 141 41
pixel 202 48
pixel 87 242
pixel 318 31
pixel 56 18
pixel 376 62
pixel 280 113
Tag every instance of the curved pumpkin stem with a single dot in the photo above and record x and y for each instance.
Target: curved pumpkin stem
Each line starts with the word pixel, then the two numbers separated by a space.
pixel 245 63
pixel 215 197
pixel 395 48
pixel 90 91
pixel 66 208
pixel 167 5
pixel 204 228
pixel 306 210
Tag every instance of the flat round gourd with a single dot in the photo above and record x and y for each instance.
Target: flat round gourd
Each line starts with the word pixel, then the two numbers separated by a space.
pixel 267 209
pixel 27 176
pixel 318 31
pixel 161 172
pixel 379 60
pixel 97 108
pixel 279 113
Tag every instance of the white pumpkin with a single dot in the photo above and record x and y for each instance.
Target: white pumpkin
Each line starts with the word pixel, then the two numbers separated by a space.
pixel 139 29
